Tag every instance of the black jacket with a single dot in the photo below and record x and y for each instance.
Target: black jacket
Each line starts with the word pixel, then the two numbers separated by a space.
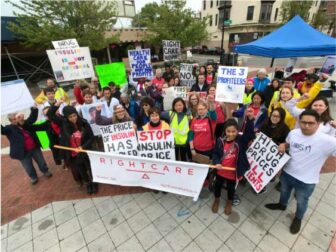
pixel 242 141
pixel 45 126
pixel 67 130
pixel 196 88
pixel 16 138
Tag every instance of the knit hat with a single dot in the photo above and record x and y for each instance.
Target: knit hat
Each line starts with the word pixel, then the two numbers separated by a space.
pixel 68 110
pixel 250 80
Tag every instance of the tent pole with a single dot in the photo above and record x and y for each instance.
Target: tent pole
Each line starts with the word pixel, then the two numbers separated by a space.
pixel 272 62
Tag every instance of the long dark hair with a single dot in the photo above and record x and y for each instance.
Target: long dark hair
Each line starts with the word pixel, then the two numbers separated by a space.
pixel 176 100
pixel 228 123
pixel 278 130
pixel 325 117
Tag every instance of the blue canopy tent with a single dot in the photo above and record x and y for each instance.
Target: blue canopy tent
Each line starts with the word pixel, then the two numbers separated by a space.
pixel 294 39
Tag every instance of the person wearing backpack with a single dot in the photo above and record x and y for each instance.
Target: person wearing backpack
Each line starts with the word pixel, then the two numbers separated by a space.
pixel 230 151
pixel 202 129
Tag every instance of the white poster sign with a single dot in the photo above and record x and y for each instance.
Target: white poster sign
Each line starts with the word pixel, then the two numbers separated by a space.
pixel 120 138
pixel 169 94
pixel 231 84
pixel 89 113
pixel 329 66
pixel 290 66
pixel 186 75
pixel 157 144
pixel 71 64
pixel 15 97
pixel 171 50
pixel 164 175
pixel 140 62
pixel 67 43
pixel 265 161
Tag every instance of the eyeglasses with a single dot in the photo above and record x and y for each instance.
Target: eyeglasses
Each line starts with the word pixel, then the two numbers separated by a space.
pixel 276 116
pixel 145 104
pixel 307 123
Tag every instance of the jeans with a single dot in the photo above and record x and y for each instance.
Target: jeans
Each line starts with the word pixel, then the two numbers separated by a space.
pixel 27 162
pixel 231 187
pixel 302 193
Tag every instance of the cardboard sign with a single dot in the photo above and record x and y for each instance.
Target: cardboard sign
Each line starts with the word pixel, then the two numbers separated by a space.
pixel 290 66
pixel 89 113
pixel 169 94
pixel 67 43
pixel 15 97
pixel 120 138
pixel 140 62
pixel 115 72
pixel 165 175
pixel 171 50
pixel 186 75
pixel 265 161
pixel 157 144
pixel 231 84
pixel 42 136
pixel 71 64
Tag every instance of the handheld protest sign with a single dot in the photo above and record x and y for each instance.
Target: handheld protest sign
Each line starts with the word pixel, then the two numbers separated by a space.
pixel 115 72
pixel 42 137
pixel 329 66
pixel 119 138
pixel 169 94
pixel 171 50
pixel 140 62
pixel 265 161
pixel 67 43
pixel 15 97
pixel 231 84
pixel 186 75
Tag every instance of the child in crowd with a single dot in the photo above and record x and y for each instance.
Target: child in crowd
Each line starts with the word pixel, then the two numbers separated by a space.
pixel 155 122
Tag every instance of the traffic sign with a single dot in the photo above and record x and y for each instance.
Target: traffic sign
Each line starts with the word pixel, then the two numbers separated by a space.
pixel 227 22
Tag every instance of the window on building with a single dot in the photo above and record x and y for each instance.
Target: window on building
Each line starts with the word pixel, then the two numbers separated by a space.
pixel 276 14
pixel 217 2
pixel 211 4
pixel 250 10
pixel 216 20
pixel 265 12
pixel 210 20
pixel 204 4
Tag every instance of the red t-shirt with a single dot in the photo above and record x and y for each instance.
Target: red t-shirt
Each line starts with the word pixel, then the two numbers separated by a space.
pixel 75 141
pixel 255 109
pixel 220 113
pixel 56 128
pixel 209 78
pixel 229 160
pixel 203 141
pixel 78 95
pixel 158 83
pixel 29 143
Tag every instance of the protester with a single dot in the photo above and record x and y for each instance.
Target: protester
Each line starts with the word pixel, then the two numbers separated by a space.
pixel 220 112
pixel 115 92
pixel 259 111
pixel 321 106
pixel 158 81
pixel 270 90
pixel 24 145
pixel 210 75
pixel 77 134
pixel 170 82
pixel 169 72
pixel 155 122
pixel 193 101
pixel 79 87
pixel 230 152
pixel 130 105
pixel 179 119
pixel 107 96
pixel 261 81
pixel 59 92
pixel 94 91
pixel 249 91
pixel 177 81
pixel 201 136
pixel 307 148
pixel 120 115
pixel 304 87
pixel 201 85
pixel 154 93
pixel 143 117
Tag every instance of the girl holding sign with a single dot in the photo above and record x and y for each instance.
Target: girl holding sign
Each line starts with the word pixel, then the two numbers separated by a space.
pixel 230 151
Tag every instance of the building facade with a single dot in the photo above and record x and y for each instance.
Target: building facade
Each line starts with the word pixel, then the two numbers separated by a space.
pixel 246 20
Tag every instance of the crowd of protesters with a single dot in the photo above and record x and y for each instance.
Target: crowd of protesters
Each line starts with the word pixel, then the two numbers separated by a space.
pixel 288 111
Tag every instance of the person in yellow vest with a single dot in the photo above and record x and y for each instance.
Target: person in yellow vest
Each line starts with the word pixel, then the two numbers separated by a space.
pixel 59 93
pixel 179 119
pixel 305 86
pixel 249 91
pixel 155 122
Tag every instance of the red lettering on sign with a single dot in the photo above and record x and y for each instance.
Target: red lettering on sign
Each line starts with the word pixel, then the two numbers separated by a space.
pixel 145 176
pixel 178 170
pixel 165 168
pixel 191 172
pixel 153 166
pixel 120 163
pixel 102 160
pixel 131 164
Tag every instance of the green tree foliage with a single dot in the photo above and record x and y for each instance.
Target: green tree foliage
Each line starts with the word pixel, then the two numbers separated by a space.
pixel 289 9
pixel 321 19
pixel 44 21
pixel 171 21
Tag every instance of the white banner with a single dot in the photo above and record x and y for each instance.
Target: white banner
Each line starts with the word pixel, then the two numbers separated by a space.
pixel 71 64
pixel 89 113
pixel 231 84
pixel 140 62
pixel 164 175
pixel 171 50
pixel 157 144
pixel 329 65
pixel 67 43
pixel 169 94
pixel 186 75
pixel 265 161
pixel 15 97
pixel 120 138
